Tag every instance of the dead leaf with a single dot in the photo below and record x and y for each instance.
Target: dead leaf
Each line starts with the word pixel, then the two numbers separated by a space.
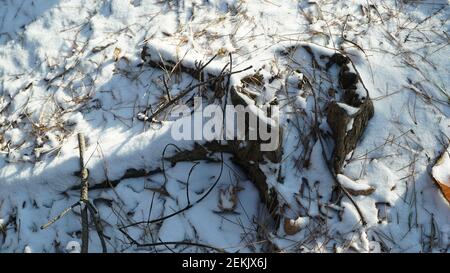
pixel 256 79
pixel 228 198
pixel 290 226
pixel 184 40
pixel 441 174
pixel 222 52
pixel 117 52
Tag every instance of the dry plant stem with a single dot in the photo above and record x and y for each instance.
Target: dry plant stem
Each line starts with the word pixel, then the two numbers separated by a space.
pixel 64 212
pixel 83 196
pixel 83 170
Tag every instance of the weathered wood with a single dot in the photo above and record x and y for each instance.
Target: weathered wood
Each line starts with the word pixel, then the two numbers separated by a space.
pixel 338 118
pixel 83 196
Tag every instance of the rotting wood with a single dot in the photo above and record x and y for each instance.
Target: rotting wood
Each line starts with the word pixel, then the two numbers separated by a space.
pixel 338 118
pixel 246 154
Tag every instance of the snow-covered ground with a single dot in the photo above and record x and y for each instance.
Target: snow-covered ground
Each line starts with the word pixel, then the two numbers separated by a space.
pixel 69 67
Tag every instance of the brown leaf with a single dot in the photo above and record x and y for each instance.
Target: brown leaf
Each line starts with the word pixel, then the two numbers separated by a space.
pixel 117 52
pixel 222 52
pixel 440 167
pixel 291 227
pixel 228 198
pixel 256 79
pixel 445 191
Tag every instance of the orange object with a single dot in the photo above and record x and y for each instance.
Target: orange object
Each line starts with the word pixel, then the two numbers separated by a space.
pixel 441 174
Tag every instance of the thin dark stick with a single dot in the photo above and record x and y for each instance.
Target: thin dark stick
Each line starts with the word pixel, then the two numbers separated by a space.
pixel 227 89
pixel 166 88
pixel 207 63
pixel 162 160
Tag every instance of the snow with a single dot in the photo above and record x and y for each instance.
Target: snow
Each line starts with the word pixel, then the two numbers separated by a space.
pixel 73 247
pixel 351 111
pixel 28 249
pixel 300 222
pixel 441 171
pixel 350 184
pixel 14 136
pixel 75 66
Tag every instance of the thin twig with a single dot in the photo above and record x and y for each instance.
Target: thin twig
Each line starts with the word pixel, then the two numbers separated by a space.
pixel 64 212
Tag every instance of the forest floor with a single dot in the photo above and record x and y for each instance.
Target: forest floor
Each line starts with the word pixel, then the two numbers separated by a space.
pixel 113 70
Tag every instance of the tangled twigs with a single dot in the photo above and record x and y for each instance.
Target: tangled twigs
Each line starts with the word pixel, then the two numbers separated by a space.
pixel 242 156
pixel 189 204
pixel 173 100
pixel 175 67
pixel 187 90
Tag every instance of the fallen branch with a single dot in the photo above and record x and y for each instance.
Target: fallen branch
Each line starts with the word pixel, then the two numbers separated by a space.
pixel 129 173
pixel 98 225
pixel 85 204
pixel 83 196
